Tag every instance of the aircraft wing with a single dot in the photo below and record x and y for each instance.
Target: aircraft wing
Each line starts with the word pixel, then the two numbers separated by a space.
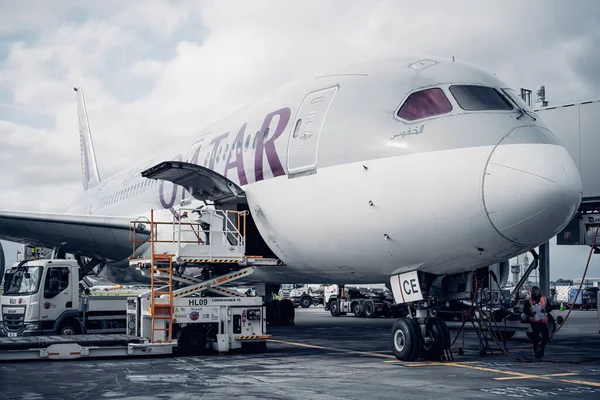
pixel 103 237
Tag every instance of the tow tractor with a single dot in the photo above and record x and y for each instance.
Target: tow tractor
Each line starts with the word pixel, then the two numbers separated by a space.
pixel 362 302
pixel 188 313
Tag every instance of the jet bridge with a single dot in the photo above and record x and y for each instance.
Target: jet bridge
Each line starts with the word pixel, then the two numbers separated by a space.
pixel 577 125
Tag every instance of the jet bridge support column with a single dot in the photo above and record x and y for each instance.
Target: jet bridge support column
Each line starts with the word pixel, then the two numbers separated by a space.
pixel 544 267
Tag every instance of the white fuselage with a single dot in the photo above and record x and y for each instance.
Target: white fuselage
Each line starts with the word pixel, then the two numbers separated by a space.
pixel 361 194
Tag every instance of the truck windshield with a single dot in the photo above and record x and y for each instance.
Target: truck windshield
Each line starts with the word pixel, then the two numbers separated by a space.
pixel 23 282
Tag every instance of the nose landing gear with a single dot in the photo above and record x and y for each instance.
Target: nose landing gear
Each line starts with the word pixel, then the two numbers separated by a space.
pixel 424 335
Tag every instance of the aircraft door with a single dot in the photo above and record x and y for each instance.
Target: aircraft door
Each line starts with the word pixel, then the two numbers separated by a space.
pixel 57 294
pixel 306 130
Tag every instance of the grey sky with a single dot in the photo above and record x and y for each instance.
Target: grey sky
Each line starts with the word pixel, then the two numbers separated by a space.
pixel 157 71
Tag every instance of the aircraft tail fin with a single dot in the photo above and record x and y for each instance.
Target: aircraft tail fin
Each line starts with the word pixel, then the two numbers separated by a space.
pixel 89 167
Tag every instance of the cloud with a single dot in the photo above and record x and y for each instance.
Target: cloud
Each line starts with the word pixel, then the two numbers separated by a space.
pixel 157 73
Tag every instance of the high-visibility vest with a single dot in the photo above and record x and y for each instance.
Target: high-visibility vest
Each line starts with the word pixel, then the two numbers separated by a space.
pixel 543 302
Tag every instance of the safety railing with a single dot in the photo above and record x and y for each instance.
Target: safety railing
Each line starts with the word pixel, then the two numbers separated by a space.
pixel 211 230
pixel 221 229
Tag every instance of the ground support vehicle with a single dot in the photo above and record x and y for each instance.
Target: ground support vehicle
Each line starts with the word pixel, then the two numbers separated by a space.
pixel 180 313
pixel 363 302
pixel 303 295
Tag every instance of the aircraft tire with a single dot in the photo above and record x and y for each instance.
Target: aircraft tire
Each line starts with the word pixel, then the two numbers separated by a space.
pixel 287 312
pixel 273 313
pixel 406 339
pixel 506 335
pixel 438 330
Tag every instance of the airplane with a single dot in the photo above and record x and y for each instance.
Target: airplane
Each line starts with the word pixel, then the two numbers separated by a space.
pixel 399 170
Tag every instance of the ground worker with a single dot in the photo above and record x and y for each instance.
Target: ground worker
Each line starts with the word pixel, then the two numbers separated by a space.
pixel 537 309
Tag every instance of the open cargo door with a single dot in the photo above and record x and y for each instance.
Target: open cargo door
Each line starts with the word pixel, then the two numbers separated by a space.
pixel 202 183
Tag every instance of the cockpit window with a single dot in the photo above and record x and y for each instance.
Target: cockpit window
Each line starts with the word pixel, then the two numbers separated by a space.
pixel 423 104
pixel 479 98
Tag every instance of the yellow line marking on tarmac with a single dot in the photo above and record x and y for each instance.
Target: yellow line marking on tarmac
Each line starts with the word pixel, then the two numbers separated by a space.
pixel 498 371
pixel 433 363
pixel 578 382
pixel 312 346
pixel 518 375
pixel 527 376
pixel 462 364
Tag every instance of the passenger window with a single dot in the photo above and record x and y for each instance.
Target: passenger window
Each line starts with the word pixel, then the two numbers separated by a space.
pixel 479 98
pixel 255 139
pixel 424 104
pixel 265 135
pixel 225 152
pixel 57 280
pixel 247 143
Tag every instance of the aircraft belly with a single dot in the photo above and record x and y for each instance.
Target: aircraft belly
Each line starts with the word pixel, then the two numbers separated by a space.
pixel 348 222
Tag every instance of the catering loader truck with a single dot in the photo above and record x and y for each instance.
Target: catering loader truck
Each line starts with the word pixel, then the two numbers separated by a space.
pixel 46 314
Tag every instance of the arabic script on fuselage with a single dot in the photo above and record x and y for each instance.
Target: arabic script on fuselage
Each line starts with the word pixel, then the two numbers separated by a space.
pixel 409 131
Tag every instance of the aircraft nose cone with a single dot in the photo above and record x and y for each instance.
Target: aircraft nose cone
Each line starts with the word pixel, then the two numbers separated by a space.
pixel 531 191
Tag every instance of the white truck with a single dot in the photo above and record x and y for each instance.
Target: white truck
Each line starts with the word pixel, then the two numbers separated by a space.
pixel 42 298
pixel 363 301
pixel 303 295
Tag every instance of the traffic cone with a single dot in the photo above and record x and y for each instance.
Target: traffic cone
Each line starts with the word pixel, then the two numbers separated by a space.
pixel 562 307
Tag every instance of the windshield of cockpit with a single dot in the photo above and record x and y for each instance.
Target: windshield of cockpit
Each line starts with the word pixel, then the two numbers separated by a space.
pixel 23 282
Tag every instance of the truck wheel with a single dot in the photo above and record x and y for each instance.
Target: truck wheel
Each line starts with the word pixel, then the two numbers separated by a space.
pixel 305 302
pixel 334 308
pixel 369 309
pixel 406 339
pixel 438 332
pixel 191 341
pixel 356 309
pixel 69 327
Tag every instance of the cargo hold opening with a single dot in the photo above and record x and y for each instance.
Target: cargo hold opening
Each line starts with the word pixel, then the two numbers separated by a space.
pixel 255 244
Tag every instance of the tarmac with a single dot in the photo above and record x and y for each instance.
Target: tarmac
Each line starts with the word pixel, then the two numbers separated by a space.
pixel 323 357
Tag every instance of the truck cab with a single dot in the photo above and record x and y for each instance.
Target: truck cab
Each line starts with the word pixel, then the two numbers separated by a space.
pixel 43 297
pixel 303 295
